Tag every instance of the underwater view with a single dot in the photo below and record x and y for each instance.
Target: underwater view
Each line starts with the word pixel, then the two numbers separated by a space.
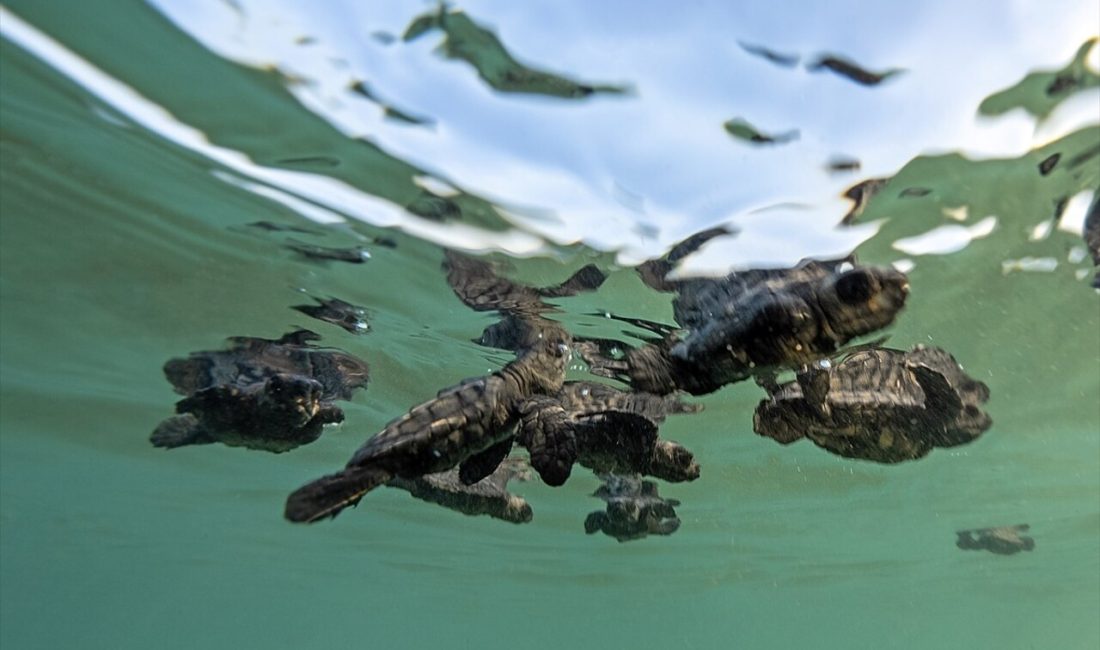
pixel 595 325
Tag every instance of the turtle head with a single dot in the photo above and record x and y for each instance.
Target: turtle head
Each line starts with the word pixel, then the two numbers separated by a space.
pixel 780 419
pixel 296 397
pixel 542 364
pixel 862 300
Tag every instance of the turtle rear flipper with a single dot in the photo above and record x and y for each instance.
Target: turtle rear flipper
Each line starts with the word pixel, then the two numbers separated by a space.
pixel 179 431
pixel 484 463
pixel 595 522
pixel 548 434
pixel 328 495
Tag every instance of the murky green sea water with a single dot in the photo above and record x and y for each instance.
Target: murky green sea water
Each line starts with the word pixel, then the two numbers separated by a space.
pixel 122 247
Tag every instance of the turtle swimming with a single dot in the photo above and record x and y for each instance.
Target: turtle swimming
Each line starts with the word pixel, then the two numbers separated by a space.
pixel 271 395
pixel 754 323
pixel 1002 540
pixel 469 424
pixel 883 405
pixel 634 509
pixel 276 414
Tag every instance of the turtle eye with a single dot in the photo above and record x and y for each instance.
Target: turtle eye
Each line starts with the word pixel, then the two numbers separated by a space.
pixel 856 286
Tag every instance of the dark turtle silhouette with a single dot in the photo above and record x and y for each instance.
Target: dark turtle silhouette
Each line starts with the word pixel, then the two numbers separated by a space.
pixel 489 496
pixel 634 509
pixel 754 322
pixel 276 414
pixel 469 424
pixel 882 405
pixel 272 395
pixel 606 430
pixel 1003 540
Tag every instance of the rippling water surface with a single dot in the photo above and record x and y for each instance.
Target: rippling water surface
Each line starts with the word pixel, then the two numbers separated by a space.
pixel 138 141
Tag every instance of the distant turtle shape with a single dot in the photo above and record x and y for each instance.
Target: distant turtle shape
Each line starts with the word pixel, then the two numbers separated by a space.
pixel 883 405
pixel 489 496
pixel 754 323
pixel 634 509
pixel 272 395
pixel 606 430
pixel 469 425
pixel 1003 540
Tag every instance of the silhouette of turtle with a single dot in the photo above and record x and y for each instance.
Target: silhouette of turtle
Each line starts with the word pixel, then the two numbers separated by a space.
pixel 753 323
pixel 272 395
pixel 634 509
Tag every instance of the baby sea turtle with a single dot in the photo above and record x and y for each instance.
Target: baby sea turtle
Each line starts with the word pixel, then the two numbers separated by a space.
pixel 489 496
pixel 634 509
pixel 755 322
pixel 883 405
pixel 1003 540
pixel 604 429
pixel 272 395
pixel 469 424
pixel 276 414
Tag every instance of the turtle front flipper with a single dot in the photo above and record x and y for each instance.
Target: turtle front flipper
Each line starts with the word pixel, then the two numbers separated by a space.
pixel 328 495
pixel 547 432
pixel 179 431
pixel 484 463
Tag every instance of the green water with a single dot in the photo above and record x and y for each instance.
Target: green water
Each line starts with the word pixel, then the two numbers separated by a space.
pixel 120 249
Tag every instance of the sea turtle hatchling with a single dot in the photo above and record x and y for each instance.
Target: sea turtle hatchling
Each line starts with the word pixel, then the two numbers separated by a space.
pixel 1003 540
pixel 468 425
pixel 272 395
pixel 276 414
pixel 754 323
pixel 634 509
pixel 881 404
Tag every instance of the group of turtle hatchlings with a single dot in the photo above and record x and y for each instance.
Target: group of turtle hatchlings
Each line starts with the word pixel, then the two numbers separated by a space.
pixel 865 402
